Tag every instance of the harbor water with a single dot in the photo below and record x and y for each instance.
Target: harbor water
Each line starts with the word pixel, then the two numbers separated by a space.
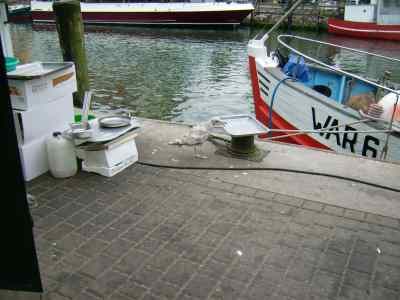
pixel 177 74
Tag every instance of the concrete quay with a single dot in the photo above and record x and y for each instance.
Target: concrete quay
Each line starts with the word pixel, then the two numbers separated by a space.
pixel 165 233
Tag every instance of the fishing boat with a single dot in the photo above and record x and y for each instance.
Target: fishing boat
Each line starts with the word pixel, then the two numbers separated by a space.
pixel 177 13
pixel 378 20
pixel 309 102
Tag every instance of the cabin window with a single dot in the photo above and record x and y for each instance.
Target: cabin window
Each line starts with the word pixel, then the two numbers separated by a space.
pixel 323 89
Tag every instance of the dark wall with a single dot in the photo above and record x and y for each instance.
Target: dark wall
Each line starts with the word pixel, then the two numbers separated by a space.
pixel 18 262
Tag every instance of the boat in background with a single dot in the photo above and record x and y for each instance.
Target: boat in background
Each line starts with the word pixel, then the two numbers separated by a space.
pixel 378 20
pixel 177 13
pixel 19 13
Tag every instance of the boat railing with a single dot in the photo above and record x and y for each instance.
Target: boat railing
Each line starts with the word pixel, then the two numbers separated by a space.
pixel 335 68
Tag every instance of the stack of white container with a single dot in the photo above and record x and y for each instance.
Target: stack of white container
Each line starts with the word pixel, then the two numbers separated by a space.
pixel 41 97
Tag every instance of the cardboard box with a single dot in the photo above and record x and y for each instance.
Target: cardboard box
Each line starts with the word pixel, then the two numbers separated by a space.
pixel 37 83
pixel 44 119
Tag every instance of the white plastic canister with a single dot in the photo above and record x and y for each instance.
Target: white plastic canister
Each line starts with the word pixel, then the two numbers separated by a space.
pixel 61 156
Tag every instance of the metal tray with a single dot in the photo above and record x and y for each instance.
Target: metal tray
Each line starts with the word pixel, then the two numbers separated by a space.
pixel 37 70
pixel 114 121
pixel 242 125
pixel 80 131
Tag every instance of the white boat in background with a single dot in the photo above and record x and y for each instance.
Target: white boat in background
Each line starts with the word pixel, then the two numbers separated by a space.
pixel 312 103
pixel 178 13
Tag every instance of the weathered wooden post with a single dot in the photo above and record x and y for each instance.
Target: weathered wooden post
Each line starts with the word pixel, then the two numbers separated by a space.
pixel 70 32
pixel 255 3
pixel 290 16
pixel 340 8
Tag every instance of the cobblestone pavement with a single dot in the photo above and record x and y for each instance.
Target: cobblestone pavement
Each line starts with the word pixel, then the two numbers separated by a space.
pixel 151 233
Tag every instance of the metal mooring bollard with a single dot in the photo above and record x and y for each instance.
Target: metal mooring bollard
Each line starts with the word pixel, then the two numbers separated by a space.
pixel 243 145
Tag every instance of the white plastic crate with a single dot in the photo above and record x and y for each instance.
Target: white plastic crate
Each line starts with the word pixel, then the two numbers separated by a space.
pixel 44 119
pixel 110 158
pixel 34 158
pixel 111 171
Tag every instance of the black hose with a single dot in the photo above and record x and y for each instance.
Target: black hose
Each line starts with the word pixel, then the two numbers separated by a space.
pixel 273 169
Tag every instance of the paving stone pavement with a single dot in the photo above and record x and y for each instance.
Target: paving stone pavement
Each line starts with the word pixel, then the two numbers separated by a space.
pixel 152 233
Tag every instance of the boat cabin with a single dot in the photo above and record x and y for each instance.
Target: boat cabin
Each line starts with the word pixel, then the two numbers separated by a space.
pixel 340 88
pixel 381 12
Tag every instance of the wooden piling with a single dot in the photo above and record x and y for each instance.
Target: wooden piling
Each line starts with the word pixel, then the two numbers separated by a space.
pixel 71 35
pixel 290 16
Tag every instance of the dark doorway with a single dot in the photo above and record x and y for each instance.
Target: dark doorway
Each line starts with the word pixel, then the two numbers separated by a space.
pixel 19 269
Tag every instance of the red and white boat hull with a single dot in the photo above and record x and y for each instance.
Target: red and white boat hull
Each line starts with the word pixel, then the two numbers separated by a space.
pixel 262 90
pixel 218 13
pixel 297 107
pixel 364 30
pixel 262 110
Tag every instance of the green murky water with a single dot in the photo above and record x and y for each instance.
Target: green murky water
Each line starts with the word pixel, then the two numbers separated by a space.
pixel 173 73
